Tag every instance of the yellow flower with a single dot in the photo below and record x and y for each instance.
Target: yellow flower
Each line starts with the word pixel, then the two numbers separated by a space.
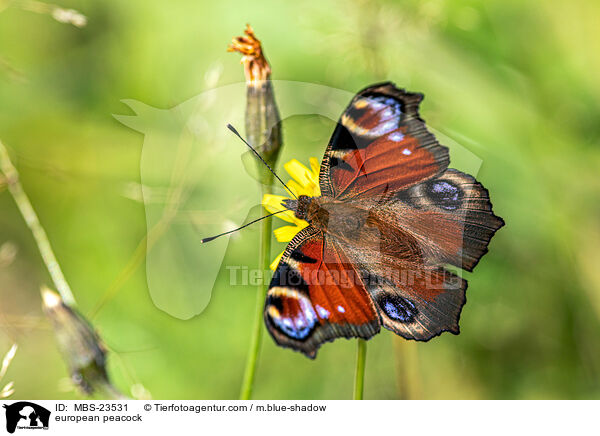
pixel 304 181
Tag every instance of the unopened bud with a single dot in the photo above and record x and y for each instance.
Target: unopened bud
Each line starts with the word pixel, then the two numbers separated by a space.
pixel 263 124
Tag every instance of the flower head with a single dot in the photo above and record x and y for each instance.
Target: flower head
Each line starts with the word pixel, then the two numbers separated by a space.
pixel 305 181
pixel 256 67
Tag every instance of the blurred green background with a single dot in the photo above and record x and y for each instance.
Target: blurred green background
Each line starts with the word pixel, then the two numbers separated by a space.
pixel 515 82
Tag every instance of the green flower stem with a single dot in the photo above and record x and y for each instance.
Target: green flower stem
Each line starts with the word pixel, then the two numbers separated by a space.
pixel 31 219
pixel 257 330
pixel 359 376
pixel 263 130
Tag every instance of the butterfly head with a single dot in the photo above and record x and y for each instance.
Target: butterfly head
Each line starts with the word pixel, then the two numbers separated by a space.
pixel 309 209
pixel 299 206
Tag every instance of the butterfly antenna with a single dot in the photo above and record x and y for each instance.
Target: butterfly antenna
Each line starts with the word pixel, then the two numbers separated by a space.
pixel 230 127
pixel 240 228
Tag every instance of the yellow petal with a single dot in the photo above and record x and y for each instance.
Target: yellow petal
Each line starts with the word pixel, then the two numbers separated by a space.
pixel 274 264
pixel 272 203
pixel 299 172
pixel 316 190
pixel 305 182
pixel 286 233
pixel 315 167
pixel 296 188
pixel 299 189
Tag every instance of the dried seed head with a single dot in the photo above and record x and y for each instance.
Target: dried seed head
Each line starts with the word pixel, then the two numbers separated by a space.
pixel 80 345
pixel 256 67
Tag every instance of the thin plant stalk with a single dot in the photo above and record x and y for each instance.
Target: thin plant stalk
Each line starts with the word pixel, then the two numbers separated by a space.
pixel 264 133
pixel 257 329
pixel 359 375
pixel 31 219
pixel 408 377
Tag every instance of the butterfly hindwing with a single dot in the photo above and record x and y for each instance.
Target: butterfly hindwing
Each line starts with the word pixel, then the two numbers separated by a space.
pixel 450 216
pixel 414 298
pixel 316 295
pixel 445 220
pixel 379 133
pixel 418 303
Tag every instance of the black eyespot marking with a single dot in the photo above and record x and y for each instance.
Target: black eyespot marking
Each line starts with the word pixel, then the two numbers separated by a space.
pixel 356 113
pixel 285 276
pixel 342 139
pixel 288 328
pixel 291 315
pixel 275 301
pixel 298 256
pixel 398 308
pixel 444 194
pixel 341 164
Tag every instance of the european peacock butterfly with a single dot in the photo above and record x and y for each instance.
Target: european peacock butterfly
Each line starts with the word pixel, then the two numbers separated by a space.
pixel 390 217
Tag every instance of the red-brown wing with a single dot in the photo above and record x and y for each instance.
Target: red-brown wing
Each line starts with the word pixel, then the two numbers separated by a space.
pixel 316 295
pixel 380 145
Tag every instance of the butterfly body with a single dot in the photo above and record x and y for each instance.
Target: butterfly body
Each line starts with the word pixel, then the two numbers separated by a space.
pixel 390 218
pixel 338 218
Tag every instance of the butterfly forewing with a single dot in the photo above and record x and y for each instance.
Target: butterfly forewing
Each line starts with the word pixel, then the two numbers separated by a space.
pixel 380 144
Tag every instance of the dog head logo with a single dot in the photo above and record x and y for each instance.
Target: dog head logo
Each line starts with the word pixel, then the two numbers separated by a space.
pixel 24 414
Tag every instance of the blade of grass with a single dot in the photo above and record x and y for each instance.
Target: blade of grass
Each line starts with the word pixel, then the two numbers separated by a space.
pixel 31 219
